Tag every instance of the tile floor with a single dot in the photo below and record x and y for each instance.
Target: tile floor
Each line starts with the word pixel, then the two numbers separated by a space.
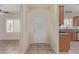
pixel 74 47
pixel 40 48
pixel 9 46
pixel 12 47
pixel 46 49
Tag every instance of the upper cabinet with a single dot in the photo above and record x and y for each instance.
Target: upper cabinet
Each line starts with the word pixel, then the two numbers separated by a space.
pixel 76 20
pixel 61 15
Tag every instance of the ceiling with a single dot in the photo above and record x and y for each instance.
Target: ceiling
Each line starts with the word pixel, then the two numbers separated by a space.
pixel 71 7
pixel 40 5
pixel 73 10
pixel 14 8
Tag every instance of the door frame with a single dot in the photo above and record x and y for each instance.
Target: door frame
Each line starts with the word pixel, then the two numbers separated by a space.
pixel 35 11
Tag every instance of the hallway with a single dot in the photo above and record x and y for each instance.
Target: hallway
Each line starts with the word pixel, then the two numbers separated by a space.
pixel 39 27
pixel 40 48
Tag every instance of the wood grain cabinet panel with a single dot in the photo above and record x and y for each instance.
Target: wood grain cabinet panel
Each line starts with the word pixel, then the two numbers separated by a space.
pixel 61 14
pixel 76 20
pixel 64 42
pixel 73 36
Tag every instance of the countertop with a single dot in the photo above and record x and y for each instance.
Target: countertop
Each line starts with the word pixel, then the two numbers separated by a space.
pixel 63 33
pixel 68 29
pixel 74 27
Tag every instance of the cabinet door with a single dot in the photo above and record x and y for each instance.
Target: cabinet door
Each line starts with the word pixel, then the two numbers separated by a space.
pixel 61 14
pixel 76 20
pixel 64 43
pixel 73 35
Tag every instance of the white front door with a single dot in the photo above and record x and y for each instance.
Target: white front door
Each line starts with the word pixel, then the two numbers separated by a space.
pixel 39 28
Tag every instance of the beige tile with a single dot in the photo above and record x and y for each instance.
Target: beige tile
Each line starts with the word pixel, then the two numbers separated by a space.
pixel 74 47
pixel 40 48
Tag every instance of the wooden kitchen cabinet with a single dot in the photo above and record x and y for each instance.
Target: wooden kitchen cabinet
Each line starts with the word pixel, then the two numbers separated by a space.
pixel 64 42
pixel 76 21
pixel 73 36
pixel 61 15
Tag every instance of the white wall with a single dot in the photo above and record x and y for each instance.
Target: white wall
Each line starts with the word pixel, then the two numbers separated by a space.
pixel 54 28
pixel 42 11
pixel 70 15
pixel 24 36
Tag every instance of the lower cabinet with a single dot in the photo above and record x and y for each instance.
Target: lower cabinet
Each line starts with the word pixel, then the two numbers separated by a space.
pixel 73 35
pixel 64 42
